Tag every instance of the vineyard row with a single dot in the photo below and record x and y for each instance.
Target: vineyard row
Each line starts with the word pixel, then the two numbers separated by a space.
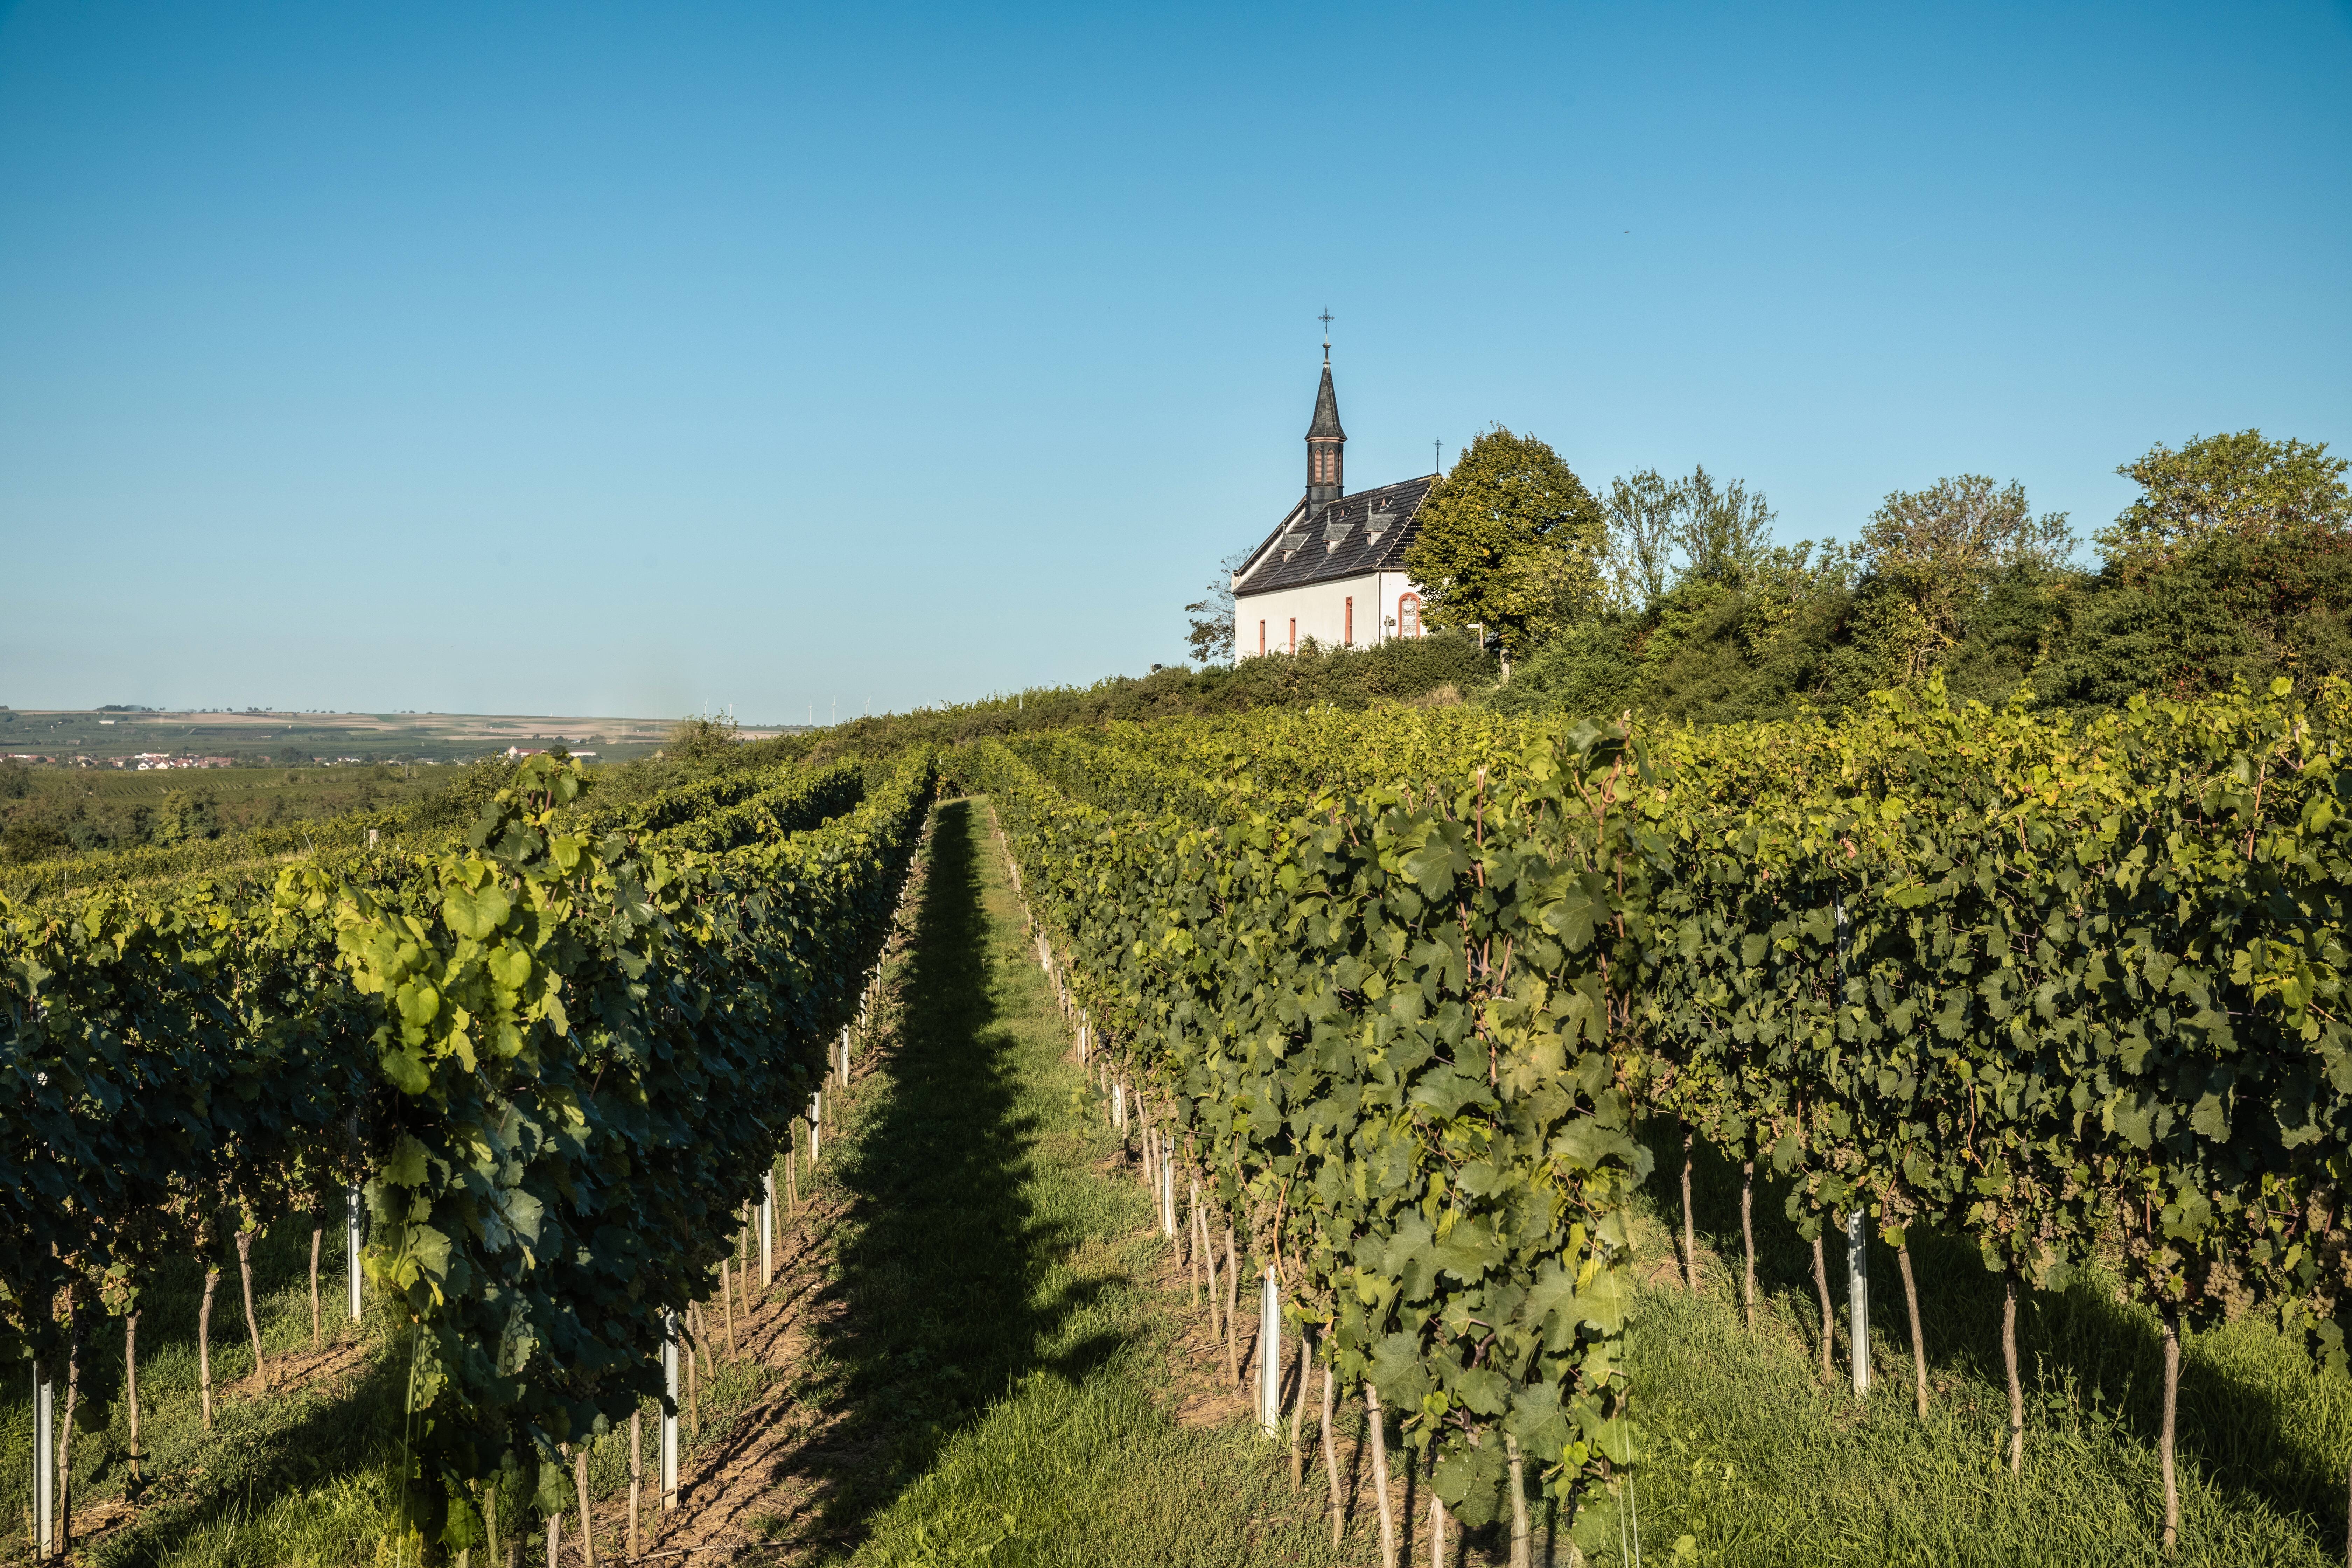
pixel 559 1056
pixel 1403 988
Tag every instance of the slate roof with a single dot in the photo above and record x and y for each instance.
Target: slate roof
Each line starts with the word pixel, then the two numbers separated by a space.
pixel 1326 409
pixel 1338 542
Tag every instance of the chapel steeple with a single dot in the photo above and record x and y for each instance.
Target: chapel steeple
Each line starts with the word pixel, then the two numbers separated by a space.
pixel 1324 441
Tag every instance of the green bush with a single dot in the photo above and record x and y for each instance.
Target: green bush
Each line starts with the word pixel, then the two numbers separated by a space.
pixel 2227 608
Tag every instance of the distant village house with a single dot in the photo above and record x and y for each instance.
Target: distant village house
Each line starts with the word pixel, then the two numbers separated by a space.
pixel 157 761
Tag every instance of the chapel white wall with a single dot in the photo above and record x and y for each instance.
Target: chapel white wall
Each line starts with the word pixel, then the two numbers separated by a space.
pixel 1321 610
pixel 1395 585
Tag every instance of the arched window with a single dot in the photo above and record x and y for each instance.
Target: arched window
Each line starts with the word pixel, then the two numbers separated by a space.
pixel 1408 615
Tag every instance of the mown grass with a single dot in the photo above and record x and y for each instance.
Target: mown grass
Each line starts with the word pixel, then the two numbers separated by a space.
pixel 1756 1461
pixel 1008 1356
pixel 329 1435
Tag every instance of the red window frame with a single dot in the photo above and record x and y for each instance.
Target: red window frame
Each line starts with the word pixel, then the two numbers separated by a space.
pixel 1408 615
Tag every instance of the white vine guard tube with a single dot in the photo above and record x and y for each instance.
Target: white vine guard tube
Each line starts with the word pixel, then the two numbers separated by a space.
pixel 670 1411
pixel 768 1228
pixel 45 1463
pixel 352 1248
pixel 1857 1294
pixel 1168 1185
pixel 1857 1228
pixel 1269 1355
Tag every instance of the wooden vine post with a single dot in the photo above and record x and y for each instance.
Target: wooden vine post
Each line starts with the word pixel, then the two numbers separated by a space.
pixel 636 1475
pixel 205 1343
pixel 245 1234
pixel 318 1242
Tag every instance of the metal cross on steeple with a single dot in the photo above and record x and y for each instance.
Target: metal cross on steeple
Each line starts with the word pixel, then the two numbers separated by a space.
pixel 1326 318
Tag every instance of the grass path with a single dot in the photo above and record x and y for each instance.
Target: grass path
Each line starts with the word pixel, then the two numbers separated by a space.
pixel 986 1360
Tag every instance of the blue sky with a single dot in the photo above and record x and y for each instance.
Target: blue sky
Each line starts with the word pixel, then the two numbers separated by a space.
pixel 631 359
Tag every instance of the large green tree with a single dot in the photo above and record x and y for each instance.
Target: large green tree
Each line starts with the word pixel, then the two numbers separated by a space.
pixel 1640 513
pixel 2236 484
pixel 1665 533
pixel 1721 530
pixel 1934 553
pixel 1511 541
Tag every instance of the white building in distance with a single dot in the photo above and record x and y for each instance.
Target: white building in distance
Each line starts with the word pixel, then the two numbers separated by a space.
pixel 1334 570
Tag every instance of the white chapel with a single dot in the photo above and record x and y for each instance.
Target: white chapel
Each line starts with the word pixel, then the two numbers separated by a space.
pixel 1334 570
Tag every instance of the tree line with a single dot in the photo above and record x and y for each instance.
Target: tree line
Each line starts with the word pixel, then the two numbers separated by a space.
pixel 1668 596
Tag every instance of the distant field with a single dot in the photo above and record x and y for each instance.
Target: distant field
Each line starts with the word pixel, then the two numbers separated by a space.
pixel 243 797
pixel 282 738
pixel 77 796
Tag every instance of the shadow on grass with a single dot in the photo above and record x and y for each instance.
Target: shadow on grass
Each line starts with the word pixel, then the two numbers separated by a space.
pixel 259 1451
pixel 2256 1419
pixel 325 1415
pixel 942 1260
